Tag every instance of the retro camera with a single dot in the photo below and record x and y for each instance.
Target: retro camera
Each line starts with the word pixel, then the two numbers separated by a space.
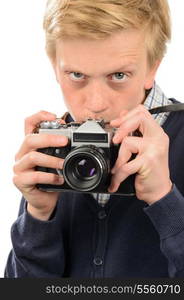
pixel 88 157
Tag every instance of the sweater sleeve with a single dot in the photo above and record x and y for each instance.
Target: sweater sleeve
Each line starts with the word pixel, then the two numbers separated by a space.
pixel 167 216
pixel 38 249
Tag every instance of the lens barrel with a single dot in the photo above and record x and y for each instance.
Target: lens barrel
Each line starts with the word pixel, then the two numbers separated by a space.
pixel 85 168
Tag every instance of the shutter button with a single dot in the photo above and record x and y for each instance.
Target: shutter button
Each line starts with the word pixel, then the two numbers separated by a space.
pixel 97 261
pixel 102 214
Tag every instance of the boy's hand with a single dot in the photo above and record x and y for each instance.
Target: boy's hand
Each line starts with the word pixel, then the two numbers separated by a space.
pixel 40 204
pixel 152 181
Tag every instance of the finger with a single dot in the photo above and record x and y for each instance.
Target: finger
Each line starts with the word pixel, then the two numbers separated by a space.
pixel 131 113
pixel 36 141
pixel 129 146
pixel 141 120
pixel 34 158
pixel 123 156
pixel 32 121
pixel 30 179
pixel 125 171
pixel 116 122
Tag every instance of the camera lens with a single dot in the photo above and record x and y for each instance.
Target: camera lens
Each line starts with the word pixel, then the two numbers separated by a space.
pixel 85 168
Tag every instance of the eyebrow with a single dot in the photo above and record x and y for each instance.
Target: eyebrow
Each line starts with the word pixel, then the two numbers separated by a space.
pixel 123 67
pixel 67 68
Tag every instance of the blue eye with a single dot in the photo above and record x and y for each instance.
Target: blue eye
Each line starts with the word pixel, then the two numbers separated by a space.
pixel 76 76
pixel 119 76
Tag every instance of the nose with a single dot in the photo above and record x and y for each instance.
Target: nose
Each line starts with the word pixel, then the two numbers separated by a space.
pixel 96 98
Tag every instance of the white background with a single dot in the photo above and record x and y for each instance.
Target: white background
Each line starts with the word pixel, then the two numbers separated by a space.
pixel 28 85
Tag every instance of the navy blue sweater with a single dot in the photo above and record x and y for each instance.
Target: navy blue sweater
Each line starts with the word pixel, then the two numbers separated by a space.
pixel 126 238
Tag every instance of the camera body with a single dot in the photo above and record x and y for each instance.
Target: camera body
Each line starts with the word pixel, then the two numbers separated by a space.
pixel 88 157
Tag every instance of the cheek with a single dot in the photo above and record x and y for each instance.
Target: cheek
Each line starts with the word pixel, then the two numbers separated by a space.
pixel 70 92
pixel 73 101
pixel 67 92
pixel 129 98
pixel 64 87
pixel 137 92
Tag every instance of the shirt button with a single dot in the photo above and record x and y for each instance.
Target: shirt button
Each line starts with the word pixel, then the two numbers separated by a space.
pixel 97 261
pixel 102 214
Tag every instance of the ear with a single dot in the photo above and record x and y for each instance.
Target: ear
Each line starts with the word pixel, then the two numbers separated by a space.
pixel 150 78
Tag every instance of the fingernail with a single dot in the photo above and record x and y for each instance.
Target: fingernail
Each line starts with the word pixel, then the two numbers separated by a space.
pixel 50 115
pixel 62 139
pixel 53 115
pixel 116 139
pixel 114 122
pixel 60 180
pixel 110 188
pixel 112 170
pixel 61 164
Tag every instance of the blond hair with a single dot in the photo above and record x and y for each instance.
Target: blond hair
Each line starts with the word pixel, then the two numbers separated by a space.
pixel 99 19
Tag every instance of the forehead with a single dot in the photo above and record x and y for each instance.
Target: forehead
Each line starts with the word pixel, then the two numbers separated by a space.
pixel 126 48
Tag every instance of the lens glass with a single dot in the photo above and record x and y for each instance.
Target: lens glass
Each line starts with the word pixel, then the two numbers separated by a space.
pixel 85 168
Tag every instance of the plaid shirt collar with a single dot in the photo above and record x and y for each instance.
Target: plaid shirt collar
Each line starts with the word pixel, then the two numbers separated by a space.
pixel 157 98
